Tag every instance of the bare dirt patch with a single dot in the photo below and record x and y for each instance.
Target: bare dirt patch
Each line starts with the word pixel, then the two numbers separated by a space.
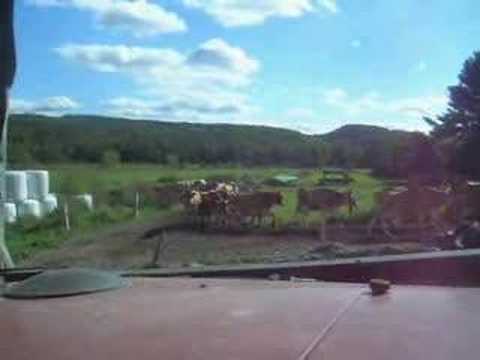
pixel 133 246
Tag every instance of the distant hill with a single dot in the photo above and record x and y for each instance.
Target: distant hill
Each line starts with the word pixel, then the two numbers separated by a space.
pixel 75 138
pixel 87 138
pixel 362 135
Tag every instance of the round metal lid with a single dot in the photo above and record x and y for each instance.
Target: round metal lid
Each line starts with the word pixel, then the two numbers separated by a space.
pixel 65 282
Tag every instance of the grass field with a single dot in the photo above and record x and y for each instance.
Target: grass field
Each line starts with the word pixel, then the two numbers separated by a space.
pixel 363 188
pixel 28 238
pixel 92 177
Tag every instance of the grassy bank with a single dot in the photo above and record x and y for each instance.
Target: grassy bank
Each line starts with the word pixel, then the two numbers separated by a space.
pixel 30 236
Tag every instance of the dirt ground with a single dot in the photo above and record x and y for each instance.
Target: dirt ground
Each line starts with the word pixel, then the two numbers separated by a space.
pixel 134 246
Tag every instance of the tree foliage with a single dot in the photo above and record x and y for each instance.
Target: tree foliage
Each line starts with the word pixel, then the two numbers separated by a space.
pixel 110 158
pixel 460 125
pixel 107 141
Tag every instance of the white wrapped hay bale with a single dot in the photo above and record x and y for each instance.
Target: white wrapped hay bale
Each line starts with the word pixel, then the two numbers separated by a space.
pixel 85 200
pixel 49 204
pixel 37 184
pixel 16 186
pixel 29 207
pixel 10 212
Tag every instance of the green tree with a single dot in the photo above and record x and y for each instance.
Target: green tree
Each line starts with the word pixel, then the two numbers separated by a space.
pixel 463 115
pixel 323 155
pixel 173 160
pixel 20 155
pixel 461 122
pixel 111 158
pixel 339 156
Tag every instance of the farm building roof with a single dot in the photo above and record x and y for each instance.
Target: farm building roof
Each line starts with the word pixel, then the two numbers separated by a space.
pixel 286 179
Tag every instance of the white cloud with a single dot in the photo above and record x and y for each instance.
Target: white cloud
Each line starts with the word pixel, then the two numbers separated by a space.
pixel 209 82
pixel 217 53
pixel 330 5
pixel 420 106
pixel 231 13
pixel 215 61
pixel 355 44
pixel 147 108
pixel 372 105
pixel 373 102
pixel 55 105
pixel 130 107
pixel 140 17
pixel 117 58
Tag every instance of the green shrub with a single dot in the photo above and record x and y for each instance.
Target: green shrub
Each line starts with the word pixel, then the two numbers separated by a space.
pixel 107 215
pixel 111 158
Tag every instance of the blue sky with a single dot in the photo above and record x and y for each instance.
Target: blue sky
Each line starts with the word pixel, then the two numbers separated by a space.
pixel 309 65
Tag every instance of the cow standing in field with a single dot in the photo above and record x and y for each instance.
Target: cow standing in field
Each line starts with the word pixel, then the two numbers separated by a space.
pixel 325 200
pixel 212 205
pixel 202 206
pixel 256 205
pixel 209 206
pixel 418 205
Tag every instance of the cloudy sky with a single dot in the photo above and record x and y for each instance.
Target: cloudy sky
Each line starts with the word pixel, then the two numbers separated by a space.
pixel 310 65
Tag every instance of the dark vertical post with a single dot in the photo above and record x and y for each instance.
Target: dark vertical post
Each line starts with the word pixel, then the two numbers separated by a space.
pixel 7 74
pixel 7 58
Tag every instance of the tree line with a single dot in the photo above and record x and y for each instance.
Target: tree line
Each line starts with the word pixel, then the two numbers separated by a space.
pixel 36 139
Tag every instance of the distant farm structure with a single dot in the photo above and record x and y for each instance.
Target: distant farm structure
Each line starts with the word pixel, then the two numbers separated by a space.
pixel 334 176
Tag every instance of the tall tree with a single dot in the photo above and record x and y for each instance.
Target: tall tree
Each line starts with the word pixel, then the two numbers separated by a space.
pixel 460 124
pixel 463 115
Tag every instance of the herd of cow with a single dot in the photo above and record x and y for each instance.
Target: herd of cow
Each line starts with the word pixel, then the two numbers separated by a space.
pixel 223 204
pixel 226 204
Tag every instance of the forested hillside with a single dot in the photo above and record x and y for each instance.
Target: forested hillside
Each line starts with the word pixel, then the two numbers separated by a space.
pixel 37 139
pixel 388 152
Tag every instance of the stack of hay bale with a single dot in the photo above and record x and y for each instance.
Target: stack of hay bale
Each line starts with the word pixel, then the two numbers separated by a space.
pixel 27 194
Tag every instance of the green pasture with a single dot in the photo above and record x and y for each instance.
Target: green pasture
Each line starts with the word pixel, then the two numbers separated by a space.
pixel 28 237
pixel 92 178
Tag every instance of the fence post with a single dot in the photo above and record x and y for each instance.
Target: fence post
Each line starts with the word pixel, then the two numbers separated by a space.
pixel 137 204
pixel 66 215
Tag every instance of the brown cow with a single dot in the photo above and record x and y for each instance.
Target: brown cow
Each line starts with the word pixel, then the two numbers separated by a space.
pixel 256 205
pixel 326 200
pixel 419 205
pixel 207 206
